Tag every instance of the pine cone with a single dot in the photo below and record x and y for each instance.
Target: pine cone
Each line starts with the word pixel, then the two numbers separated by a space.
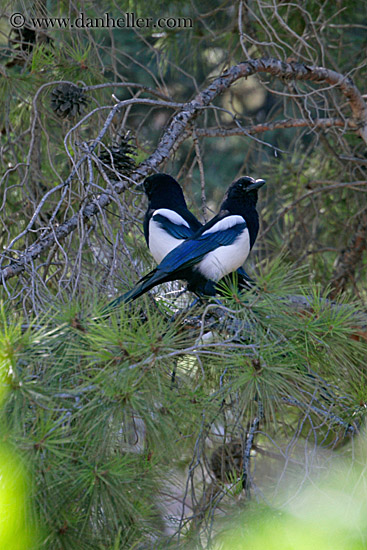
pixel 68 100
pixel 118 157
pixel 227 460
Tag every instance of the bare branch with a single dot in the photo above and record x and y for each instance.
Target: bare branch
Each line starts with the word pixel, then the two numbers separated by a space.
pixel 202 176
pixel 276 125
pixel 141 87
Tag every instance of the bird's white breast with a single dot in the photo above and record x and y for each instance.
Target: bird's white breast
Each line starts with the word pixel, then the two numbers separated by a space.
pixel 226 259
pixel 161 242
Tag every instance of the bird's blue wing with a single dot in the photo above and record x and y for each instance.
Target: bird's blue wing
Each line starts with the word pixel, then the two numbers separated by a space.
pixel 178 231
pixel 193 250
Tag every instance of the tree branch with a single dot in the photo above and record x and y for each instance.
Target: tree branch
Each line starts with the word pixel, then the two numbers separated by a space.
pixel 276 125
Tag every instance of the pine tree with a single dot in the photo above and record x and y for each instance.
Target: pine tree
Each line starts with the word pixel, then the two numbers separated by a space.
pixel 147 428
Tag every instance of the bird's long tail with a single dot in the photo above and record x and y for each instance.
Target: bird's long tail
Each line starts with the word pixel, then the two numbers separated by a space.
pixel 144 285
pixel 138 290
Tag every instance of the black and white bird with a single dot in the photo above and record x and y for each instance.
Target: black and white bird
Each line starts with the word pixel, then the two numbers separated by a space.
pixel 216 249
pixel 168 221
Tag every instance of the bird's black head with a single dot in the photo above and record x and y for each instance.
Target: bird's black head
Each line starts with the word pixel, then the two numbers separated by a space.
pixel 245 186
pixel 159 183
pixel 163 191
pixel 244 190
pixel 241 199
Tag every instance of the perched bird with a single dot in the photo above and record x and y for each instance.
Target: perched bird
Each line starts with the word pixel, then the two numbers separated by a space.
pixel 216 249
pixel 168 221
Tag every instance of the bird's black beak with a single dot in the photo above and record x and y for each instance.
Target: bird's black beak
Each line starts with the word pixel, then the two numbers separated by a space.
pixel 256 185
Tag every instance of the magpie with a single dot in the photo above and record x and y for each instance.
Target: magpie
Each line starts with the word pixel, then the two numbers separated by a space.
pixel 216 249
pixel 168 221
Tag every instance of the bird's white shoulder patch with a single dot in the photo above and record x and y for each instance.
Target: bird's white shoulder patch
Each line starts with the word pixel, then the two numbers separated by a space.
pixel 171 215
pixel 225 223
pixel 160 241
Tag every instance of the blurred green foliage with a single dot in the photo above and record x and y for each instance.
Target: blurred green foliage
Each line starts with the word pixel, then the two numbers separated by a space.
pixel 329 514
